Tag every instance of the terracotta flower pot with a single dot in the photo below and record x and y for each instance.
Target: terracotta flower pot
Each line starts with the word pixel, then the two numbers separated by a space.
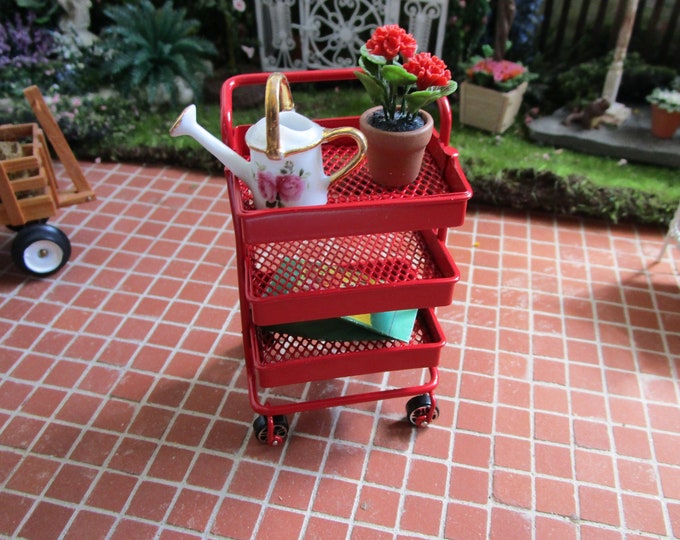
pixel 395 158
pixel 664 123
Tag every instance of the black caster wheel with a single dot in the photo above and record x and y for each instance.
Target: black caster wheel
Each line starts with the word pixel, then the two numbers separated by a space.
pixel 279 431
pixel 418 410
pixel 17 228
pixel 40 249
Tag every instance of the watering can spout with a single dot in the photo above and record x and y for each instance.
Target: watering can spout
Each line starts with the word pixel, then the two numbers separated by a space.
pixel 186 124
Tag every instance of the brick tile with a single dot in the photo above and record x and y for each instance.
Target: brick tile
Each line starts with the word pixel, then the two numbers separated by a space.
pixel 20 432
pixel 129 528
pixel 47 520
pixel 335 497
pixel 512 489
pixel 512 453
pixel 345 460
pixel 555 496
pixel 599 505
pixel 13 508
pixel 553 460
pixel 171 463
pixel 594 467
pixel 151 501
pixel 470 485
pixel 57 440
pixel 94 447
pixel 378 506
pixel 132 455
pixel 386 468
pixel 293 490
pixel 33 475
pixel 112 491
pixel 276 520
pixel 89 524
pixel 252 480
pixel 644 514
pixel 210 471
pixel 319 527
pixel 503 520
pixel 427 477
pixel 465 522
pixel 637 476
pixel 422 515
pixel 236 519
pixel 192 509
pixel 71 483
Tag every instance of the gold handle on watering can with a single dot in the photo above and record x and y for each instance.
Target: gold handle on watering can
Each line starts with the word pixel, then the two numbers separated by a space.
pixel 352 163
pixel 277 98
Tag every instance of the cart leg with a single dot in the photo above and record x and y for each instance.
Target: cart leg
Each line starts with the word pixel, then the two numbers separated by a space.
pixel 422 410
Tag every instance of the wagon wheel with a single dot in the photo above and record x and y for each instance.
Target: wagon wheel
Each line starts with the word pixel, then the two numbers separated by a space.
pixel 419 409
pixel 279 431
pixel 40 249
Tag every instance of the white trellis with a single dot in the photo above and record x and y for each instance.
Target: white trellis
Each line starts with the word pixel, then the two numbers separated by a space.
pixel 316 34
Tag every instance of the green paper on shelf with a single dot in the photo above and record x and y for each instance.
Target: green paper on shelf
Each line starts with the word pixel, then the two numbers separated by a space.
pixel 294 275
pixel 370 326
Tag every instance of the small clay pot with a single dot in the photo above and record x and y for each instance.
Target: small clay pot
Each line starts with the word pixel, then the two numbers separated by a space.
pixel 664 123
pixel 394 158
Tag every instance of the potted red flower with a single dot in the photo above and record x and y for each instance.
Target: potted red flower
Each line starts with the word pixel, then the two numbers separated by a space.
pixel 400 82
pixel 492 92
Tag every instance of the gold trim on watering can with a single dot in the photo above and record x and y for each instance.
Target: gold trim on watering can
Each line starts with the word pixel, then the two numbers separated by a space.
pixel 278 97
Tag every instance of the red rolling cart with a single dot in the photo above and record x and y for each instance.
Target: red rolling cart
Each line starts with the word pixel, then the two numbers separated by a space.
pixel 369 250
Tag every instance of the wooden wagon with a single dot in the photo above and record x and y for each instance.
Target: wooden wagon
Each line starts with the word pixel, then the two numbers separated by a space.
pixel 29 193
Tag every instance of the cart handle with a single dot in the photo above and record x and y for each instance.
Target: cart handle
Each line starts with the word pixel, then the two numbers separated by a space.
pixel 322 75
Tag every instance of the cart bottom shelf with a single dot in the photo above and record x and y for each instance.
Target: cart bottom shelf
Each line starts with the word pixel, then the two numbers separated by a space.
pixel 280 359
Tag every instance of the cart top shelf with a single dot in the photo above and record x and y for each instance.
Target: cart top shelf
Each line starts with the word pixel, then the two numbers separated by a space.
pixel 356 205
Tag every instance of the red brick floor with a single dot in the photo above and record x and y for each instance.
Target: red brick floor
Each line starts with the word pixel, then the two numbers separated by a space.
pixel 124 411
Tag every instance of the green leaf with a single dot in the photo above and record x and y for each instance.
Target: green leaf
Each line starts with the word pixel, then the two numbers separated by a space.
pixel 373 88
pixel 398 76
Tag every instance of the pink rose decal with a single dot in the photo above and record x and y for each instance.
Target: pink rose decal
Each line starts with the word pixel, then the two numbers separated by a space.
pixel 283 188
pixel 290 187
pixel 266 185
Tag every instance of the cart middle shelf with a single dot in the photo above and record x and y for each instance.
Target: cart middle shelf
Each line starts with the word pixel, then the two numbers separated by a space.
pixel 334 277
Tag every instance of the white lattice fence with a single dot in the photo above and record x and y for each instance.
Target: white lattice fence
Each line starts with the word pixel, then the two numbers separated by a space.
pixel 315 34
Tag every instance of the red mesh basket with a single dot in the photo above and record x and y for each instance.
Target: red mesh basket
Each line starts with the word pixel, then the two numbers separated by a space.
pixel 282 358
pixel 331 277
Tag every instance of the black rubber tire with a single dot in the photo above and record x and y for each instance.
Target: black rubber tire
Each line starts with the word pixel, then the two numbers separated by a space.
pixel 418 407
pixel 40 249
pixel 280 428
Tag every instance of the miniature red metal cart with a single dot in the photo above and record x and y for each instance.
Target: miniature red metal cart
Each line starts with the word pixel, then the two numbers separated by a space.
pixel 392 244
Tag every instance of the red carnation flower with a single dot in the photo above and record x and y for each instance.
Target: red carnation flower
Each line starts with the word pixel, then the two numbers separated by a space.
pixel 390 41
pixel 430 70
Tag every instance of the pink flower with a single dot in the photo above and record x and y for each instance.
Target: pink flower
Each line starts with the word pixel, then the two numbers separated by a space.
pixel 239 5
pixel 266 185
pixel 290 187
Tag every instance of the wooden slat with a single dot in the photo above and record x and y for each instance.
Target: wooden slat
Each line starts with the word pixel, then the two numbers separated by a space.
pixel 11 132
pixel 30 183
pixel 20 164
pixel 32 209
pixel 12 211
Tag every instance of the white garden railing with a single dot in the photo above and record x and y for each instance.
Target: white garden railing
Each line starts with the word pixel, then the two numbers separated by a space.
pixel 317 34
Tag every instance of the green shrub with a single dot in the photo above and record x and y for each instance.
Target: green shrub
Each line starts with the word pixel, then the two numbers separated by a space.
pixel 149 48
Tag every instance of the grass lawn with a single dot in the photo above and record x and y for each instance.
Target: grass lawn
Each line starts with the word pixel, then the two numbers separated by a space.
pixel 507 170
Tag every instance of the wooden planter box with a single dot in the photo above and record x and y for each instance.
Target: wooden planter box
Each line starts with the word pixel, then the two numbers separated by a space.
pixel 489 109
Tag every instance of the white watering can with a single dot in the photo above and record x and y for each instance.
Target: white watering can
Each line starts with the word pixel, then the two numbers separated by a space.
pixel 286 166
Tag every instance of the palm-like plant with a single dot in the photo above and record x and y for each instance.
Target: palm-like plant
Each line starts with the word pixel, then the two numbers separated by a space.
pixel 151 47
